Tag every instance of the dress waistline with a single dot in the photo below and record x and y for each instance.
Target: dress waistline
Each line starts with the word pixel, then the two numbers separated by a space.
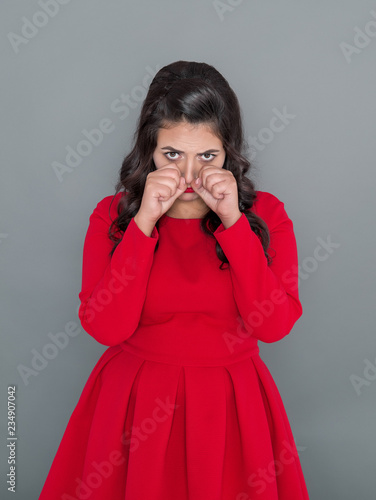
pixel 173 360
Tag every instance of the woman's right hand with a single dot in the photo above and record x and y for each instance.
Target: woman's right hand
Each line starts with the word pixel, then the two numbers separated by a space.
pixel 162 187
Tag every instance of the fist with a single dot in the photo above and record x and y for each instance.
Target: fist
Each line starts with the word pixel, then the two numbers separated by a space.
pixel 219 190
pixel 162 187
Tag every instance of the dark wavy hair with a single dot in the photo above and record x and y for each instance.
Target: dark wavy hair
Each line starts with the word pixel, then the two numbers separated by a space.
pixel 196 93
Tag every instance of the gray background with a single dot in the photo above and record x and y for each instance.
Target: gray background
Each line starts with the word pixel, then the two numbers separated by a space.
pixel 275 54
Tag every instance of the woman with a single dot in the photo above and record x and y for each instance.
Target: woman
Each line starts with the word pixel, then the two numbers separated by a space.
pixel 185 269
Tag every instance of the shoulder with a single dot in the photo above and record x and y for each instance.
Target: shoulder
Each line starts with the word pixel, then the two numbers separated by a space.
pixel 270 208
pixel 107 207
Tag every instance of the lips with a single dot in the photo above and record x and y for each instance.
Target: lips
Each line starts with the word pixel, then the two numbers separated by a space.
pixel 189 190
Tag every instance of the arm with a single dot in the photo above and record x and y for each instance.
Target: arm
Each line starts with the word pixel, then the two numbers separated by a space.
pixel 267 296
pixel 114 288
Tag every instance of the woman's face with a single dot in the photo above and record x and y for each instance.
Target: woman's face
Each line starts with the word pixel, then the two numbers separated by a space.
pixel 190 147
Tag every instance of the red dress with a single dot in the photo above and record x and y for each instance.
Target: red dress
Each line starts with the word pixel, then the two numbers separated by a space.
pixel 181 406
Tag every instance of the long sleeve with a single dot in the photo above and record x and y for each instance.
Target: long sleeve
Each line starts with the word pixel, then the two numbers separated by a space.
pixel 267 297
pixel 114 288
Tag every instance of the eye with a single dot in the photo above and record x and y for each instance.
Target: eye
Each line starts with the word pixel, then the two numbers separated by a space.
pixel 205 156
pixel 171 153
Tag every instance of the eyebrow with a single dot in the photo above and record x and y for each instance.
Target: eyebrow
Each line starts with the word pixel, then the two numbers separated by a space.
pixel 170 148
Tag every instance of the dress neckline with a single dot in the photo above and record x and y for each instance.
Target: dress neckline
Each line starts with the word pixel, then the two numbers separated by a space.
pixel 181 218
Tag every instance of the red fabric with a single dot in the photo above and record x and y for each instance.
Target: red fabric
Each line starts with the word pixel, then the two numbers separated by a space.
pixel 180 405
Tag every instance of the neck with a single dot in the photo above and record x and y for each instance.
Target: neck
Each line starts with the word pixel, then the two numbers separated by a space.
pixel 186 210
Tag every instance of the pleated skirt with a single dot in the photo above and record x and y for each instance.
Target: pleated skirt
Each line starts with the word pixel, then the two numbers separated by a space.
pixel 149 430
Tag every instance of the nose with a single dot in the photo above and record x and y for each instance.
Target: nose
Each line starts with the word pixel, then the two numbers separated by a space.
pixel 189 168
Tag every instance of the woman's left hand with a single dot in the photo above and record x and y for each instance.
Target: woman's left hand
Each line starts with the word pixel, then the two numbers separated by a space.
pixel 219 190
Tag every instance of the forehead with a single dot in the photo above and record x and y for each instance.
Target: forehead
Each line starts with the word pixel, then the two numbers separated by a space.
pixel 188 133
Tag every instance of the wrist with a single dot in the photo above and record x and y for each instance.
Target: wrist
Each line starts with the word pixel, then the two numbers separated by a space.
pixel 145 226
pixel 230 221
